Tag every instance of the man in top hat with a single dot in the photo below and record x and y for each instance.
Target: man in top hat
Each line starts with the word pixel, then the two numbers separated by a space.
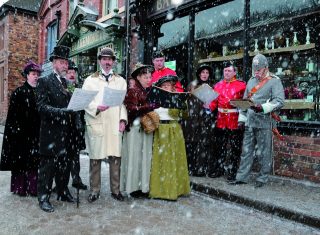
pixel 267 94
pixel 105 126
pixel 52 100
pixel 77 141
pixel 158 59
pixel 20 148
pixel 226 127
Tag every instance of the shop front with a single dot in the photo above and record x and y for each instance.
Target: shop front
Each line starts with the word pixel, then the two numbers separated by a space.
pixel 86 37
pixel 286 32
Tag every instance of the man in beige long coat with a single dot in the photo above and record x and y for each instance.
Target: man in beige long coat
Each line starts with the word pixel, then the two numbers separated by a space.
pixel 104 126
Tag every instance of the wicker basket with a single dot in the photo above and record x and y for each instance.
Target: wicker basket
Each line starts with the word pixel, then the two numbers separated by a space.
pixel 150 122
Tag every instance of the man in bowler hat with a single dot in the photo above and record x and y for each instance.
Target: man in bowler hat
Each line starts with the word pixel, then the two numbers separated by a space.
pixel 104 126
pixel 52 100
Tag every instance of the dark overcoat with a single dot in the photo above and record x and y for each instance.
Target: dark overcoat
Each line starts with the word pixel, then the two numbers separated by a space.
pixel 20 148
pixel 199 125
pixel 56 124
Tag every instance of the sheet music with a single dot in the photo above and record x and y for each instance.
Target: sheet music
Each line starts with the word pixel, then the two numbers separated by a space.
pixel 112 97
pixel 81 99
pixel 242 104
pixel 205 93
pixel 167 99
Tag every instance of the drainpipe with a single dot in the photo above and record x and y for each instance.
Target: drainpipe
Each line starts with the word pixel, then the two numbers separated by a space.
pixel 191 47
pixel 246 68
pixel 58 14
pixel 128 38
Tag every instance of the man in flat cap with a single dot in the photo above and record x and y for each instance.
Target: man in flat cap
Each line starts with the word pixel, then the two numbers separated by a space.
pixel 105 126
pixel 56 125
pixel 158 59
pixel 266 92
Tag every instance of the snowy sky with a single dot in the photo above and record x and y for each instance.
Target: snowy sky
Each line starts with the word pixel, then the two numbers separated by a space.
pixel 2 1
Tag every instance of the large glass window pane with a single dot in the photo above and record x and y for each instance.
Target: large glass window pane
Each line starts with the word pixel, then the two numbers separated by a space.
pixel 174 33
pixel 219 20
pixel 219 36
pixel 51 38
pixel 109 6
pixel 287 33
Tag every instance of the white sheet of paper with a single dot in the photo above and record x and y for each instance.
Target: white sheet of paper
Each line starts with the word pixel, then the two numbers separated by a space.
pixel 112 97
pixel 81 99
pixel 241 104
pixel 205 93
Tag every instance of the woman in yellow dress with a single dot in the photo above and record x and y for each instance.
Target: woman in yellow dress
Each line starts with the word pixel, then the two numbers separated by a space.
pixel 169 170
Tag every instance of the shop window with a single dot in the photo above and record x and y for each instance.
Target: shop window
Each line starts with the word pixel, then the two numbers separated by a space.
pixel 219 20
pixel 174 33
pixel 219 36
pixel 109 6
pixel 51 38
pixel 87 64
pixel 286 32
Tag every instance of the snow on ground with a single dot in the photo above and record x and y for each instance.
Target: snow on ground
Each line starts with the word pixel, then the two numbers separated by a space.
pixel 196 214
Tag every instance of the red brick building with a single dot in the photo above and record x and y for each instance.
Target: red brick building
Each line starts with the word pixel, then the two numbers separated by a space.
pixel 18 43
pixel 84 26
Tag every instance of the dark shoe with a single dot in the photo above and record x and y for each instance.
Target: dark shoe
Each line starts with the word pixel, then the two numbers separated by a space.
pixel 118 196
pixel 231 177
pixel 235 182
pixel 258 184
pixel 215 175
pixel 139 194
pixel 198 174
pixel 67 197
pixel 79 185
pixel 93 197
pixel 46 206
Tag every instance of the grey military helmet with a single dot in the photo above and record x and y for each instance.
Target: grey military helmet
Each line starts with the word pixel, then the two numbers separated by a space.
pixel 259 62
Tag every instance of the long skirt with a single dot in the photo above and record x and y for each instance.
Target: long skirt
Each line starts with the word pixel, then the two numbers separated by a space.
pixel 24 183
pixel 169 169
pixel 136 160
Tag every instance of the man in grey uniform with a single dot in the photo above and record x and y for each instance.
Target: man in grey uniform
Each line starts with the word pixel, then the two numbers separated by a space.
pixel 266 92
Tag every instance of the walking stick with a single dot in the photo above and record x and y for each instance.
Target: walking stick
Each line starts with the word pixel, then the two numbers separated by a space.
pixel 78 200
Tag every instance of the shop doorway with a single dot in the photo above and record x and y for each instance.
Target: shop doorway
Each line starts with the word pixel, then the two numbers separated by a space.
pixel 178 55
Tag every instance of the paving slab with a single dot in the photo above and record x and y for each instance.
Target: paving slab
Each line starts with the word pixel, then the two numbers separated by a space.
pixel 291 199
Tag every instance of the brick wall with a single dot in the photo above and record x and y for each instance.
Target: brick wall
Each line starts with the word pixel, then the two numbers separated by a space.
pixel 47 16
pixel 298 157
pixel 22 42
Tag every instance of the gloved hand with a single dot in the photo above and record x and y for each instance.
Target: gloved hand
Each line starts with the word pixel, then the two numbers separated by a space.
pixel 241 126
pixel 257 108
pixel 65 111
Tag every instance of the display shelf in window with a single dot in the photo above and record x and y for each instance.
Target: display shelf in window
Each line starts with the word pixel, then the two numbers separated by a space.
pixel 286 49
pixel 222 58
pixel 298 104
pixel 278 50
